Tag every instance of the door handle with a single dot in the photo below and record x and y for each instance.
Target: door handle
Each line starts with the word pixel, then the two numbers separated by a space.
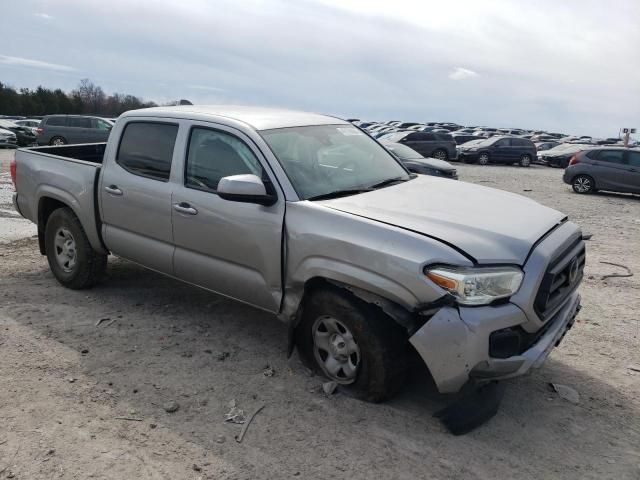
pixel 184 207
pixel 113 190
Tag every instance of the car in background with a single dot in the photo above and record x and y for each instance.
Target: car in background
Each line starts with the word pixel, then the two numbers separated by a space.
pixel 499 149
pixel 8 138
pixel 611 169
pixel 560 155
pixel 416 163
pixel 461 139
pixel 64 129
pixel 24 135
pixel 542 146
pixel 31 123
pixel 428 144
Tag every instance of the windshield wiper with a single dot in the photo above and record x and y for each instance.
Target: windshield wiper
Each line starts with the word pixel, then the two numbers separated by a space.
pixel 340 193
pixel 389 181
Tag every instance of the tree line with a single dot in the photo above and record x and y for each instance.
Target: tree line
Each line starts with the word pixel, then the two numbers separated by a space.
pixel 86 98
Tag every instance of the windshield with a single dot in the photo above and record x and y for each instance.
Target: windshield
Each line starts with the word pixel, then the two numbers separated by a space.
pixel 402 151
pixel 323 159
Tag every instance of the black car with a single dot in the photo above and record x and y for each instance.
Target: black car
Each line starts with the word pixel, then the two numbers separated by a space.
pixel 461 139
pixel 416 163
pixel 428 144
pixel 24 135
pixel 498 149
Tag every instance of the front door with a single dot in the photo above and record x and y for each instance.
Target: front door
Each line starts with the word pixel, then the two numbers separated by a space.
pixel 135 195
pixel 610 170
pixel 228 247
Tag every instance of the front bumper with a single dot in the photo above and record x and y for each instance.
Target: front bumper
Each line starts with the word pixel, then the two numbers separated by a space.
pixel 469 157
pixel 454 343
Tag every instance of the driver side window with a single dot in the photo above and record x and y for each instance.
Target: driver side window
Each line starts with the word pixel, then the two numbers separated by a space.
pixel 213 155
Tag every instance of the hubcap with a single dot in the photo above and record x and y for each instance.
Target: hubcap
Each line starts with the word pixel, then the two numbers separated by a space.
pixel 440 155
pixel 483 160
pixel 582 184
pixel 65 246
pixel 335 349
pixel 58 141
pixel 525 161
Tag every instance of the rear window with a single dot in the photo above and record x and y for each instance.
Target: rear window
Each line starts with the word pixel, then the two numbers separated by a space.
pixel 57 121
pixel 146 149
pixel 610 156
pixel 79 122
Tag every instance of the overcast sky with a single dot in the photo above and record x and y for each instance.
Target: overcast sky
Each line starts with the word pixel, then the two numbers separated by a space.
pixel 571 66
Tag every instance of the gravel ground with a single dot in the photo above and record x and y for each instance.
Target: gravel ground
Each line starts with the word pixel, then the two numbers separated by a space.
pixel 86 401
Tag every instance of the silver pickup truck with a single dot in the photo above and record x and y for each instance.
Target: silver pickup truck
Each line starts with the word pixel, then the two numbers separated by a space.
pixel 307 217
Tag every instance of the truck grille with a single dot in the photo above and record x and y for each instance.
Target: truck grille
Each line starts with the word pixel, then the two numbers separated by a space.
pixel 562 277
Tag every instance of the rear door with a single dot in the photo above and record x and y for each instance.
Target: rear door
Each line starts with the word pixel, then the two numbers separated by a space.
pixel 501 151
pixel 421 142
pixel 135 195
pixel 232 248
pixel 609 169
pixel 78 129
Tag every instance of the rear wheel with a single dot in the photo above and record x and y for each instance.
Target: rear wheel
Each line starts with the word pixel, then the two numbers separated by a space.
pixel 483 159
pixel 56 141
pixel 583 184
pixel 440 154
pixel 71 258
pixel 525 161
pixel 352 343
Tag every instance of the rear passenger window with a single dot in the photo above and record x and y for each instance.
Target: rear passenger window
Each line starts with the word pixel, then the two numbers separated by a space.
pixel 146 149
pixel 634 159
pixel 79 122
pixel 57 121
pixel 213 154
pixel 611 156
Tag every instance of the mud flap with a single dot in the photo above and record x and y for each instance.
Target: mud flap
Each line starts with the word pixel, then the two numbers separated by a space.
pixel 472 407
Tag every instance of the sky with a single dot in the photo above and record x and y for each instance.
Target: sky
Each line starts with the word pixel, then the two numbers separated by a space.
pixel 570 66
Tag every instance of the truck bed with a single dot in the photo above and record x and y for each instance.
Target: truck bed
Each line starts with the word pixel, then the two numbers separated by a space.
pixel 50 176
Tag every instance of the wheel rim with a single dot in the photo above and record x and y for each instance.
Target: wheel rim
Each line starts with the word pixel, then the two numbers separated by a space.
pixel 582 184
pixel 58 141
pixel 65 249
pixel 484 159
pixel 335 349
pixel 525 161
pixel 440 155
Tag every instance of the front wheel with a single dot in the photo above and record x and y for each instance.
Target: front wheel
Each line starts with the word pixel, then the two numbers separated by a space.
pixel 71 258
pixel 583 184
pixel 483 159
pixel 440 154
pixel 57 141
pixel 352 343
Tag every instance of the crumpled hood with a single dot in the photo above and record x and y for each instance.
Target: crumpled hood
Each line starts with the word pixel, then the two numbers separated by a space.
pixel 490 225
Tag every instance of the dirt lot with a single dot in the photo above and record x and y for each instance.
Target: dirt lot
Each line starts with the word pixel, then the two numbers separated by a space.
pixel 66 383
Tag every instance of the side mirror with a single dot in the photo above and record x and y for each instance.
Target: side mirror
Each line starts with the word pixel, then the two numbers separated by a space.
pixel 245 189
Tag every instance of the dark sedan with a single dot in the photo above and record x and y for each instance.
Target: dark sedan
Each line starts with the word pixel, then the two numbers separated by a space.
pixel 509 150
pixel 416 163
pixel 428 144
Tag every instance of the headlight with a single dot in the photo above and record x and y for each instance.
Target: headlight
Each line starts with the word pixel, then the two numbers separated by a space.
pixel 477 286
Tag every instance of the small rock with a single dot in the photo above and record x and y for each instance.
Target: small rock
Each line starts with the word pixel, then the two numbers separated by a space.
pixel 71 380
pixel 567 393
pixel 152 426
pixel 222 356
pixel 85 351
pixel 135 390
pixel 329 387
pixel 51 451
pixel 220 439
pixel 196 468
pixel 171 406
pixel 268 371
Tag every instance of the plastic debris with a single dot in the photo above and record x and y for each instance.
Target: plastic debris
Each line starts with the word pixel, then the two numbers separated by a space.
pixel 567 393
pixel 329 387
pixel 235 414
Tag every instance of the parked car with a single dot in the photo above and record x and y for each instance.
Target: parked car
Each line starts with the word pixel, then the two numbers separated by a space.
pixel 612 169
pixel 560 155
pixel 8 138
pixel 381 260
pixel 499 149
pixel 63 129
pixel 31 123
pixel 416 163
pixel 428 144
pixel 24 136
pixel 461 139
pixel 542 146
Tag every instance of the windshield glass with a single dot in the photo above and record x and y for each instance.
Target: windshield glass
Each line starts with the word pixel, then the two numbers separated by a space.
pixel 323 159
pixel 402 151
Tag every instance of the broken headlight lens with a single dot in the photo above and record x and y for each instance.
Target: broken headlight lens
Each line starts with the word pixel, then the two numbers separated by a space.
pixel 477 286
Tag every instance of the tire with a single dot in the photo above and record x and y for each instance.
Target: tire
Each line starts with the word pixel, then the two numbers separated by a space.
pixel 380 344
pixel 525 161
pixel 440 154
pixel 71 258
pixel 483 159
pixel 55 141
pixel 583 184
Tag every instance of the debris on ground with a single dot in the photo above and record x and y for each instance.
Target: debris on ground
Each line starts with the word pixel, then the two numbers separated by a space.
pixel 102 320
pixel 222 356
pixel 130 419
pixel 221 439
pixel 246 425
pixel 196 468
pixel 268 371
pixel 634 368
pixel 617 275
pixel 71 380
pixel 171 406
pixel 329 387
pixel 567 393
pixel 235 414
pixel 84 351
